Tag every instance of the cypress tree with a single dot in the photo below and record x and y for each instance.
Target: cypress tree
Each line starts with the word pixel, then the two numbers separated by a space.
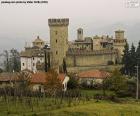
pixel 126 60
pixel 133 60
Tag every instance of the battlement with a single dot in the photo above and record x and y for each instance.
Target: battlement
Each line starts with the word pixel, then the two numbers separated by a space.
pixel 58 22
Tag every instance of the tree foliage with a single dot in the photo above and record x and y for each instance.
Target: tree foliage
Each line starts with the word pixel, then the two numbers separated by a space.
pixel 116 82
pixel 130 59
pixel 12 60
pixel 53 83
pixel 73 82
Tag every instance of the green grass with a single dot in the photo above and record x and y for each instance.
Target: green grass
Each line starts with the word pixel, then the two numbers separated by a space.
pixel 49 107
pixel 102 108
pixel 87 108
pixel 93 92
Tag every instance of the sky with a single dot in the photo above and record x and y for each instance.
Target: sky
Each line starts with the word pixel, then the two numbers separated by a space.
pixel 20 23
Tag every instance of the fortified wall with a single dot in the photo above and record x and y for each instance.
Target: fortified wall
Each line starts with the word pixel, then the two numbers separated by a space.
pixel 93 58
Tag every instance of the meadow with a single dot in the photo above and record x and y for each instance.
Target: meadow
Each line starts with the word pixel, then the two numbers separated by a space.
pixel 84 105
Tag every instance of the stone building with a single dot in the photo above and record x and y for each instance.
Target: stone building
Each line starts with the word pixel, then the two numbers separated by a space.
pixel 58 40
pixel 32 55
pixel 83 52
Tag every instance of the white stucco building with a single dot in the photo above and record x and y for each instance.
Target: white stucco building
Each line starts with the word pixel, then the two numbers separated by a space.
pixel 32 55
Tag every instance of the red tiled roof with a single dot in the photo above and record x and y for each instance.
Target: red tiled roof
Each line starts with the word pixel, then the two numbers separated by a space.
pixel 94 74
pixel 40 77
pixel 5 77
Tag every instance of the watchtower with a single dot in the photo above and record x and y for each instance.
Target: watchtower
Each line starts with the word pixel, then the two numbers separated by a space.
pixel 58 39
pixel 119 41
pixel 119 34
pixel 80 34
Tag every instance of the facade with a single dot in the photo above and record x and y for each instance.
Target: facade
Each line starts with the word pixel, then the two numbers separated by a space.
pixel 32 56
pixel 58 40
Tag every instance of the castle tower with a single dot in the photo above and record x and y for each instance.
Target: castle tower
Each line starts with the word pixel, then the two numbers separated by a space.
pixel 58 40
pixel 119 34
pixel 119 41
pixel 80 34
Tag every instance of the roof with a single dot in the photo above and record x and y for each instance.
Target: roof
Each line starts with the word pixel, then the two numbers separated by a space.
pixel 38 40
pixel 41 78
pixel 98 74
pixel 32 53
pixel 6 77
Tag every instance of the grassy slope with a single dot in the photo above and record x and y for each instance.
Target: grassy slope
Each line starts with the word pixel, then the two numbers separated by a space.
pixel 97 109
pixel 90 108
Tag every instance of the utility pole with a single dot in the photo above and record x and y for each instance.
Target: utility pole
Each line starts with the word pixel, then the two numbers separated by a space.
pixel 137 90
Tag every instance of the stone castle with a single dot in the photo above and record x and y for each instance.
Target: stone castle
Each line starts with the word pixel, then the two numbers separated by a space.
pixel 83 52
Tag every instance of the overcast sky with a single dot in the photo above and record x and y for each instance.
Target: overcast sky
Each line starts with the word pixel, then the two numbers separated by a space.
pixel 22 23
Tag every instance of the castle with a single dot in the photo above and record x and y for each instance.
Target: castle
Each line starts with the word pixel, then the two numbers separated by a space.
pixel 83 52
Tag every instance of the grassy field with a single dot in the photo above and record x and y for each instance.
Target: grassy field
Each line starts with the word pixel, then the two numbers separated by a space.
pixel 88 108
pixel 36 106
pixel 99 109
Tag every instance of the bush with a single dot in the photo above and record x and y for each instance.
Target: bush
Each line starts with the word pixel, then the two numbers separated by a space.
pixel 73 82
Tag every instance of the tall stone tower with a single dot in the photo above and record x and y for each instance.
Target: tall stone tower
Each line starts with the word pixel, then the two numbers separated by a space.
pixel 58 40
pixel 119 41
pixel 119 34
pixel 80 34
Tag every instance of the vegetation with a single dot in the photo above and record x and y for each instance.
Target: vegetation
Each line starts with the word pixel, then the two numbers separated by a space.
pixel 130 59
pixel 53 83
pixel 73 82
pixel 12 60
pixel 47 107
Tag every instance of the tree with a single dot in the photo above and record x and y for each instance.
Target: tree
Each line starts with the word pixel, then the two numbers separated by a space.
pixel 1 70
pixel 15 60
pixel 64 66
pixel 126 60
pixel 12 60
pixel 116 82
pixel 73 82
pixel 53 83
pixel 133 60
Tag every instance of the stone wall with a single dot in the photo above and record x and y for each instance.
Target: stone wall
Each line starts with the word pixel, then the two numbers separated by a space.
pixel 90 60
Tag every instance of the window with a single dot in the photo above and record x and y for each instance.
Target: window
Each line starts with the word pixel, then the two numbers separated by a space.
pixel 33 64
pixel 56 52
pixel 56 40
pixel 55 32
pixel 22 64
pixel 33 58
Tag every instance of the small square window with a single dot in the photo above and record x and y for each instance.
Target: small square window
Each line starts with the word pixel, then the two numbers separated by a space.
pixel 55 32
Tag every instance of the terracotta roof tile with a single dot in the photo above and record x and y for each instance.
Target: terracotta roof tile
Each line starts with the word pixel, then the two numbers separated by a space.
pixel 94 74
pixel 40 77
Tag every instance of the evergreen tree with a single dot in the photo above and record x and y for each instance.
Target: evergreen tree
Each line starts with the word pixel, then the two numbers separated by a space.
pixel 126 60
pixel 133 60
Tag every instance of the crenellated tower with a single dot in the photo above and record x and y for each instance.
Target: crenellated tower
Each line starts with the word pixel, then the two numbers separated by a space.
pixel 119 41
pixel 80 34
pixel 58 40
